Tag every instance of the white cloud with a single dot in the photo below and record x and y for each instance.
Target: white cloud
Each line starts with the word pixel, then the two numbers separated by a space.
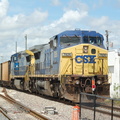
pixel 98 22
pixel 55 2
pixel 43 33
pixel 98 4
pixel 22 21
pixel 12 27
pixel 105 23
pixel 77 5
pixel 72 16
pixel 3 8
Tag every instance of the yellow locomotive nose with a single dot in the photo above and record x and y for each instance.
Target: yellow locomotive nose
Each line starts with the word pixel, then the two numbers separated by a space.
pixel 84 60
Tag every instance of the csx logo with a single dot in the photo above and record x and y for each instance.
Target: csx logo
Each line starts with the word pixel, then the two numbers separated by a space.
pixel 85 58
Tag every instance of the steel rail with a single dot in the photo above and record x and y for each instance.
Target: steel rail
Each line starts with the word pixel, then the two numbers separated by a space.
pixel 23 107
pixel 4 112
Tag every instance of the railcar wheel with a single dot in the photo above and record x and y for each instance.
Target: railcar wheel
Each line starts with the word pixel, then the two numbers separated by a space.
pixel 30 86
pixel 12 84
pixel 22 85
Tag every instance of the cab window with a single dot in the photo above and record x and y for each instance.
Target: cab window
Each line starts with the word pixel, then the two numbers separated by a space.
pixel 92 40
pixel 69 40
pixel 13 58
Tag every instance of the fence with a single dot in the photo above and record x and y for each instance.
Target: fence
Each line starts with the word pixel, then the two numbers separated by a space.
pixel 98 107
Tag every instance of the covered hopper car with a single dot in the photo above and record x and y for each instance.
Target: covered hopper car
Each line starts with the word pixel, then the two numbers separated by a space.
pixel 71 62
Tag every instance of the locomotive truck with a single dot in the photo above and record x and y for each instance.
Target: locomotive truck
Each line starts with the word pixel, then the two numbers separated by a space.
pixel 73 61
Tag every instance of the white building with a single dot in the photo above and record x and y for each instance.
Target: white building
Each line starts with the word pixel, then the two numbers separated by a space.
pixel 114 73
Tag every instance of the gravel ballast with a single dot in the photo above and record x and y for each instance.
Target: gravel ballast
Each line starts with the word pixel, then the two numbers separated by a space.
pixel 38 104
pixel 64 112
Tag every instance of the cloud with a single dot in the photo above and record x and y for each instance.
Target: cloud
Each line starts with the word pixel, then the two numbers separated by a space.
pixel 43 33
pixel 98 4
pixel 77 5
pixel 13 27
pixel 3 8
pixel 22 21
pixel 100 22
pixel 72 16
pixel 55 2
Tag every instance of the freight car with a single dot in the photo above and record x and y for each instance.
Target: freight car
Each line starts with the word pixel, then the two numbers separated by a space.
pixel 71 62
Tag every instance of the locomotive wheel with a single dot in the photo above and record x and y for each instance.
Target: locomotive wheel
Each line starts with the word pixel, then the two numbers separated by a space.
pixel 12 84
pixel 56 94
pixel 22 85
pixel 30 86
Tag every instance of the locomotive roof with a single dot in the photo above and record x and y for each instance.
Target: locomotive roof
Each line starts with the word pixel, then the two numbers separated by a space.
pixel 81 33
pixel 37 47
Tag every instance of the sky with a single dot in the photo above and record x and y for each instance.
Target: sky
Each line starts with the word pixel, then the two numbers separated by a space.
pixel 42 19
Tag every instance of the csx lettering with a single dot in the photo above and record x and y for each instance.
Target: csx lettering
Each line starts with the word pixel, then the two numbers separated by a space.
pixel 85 58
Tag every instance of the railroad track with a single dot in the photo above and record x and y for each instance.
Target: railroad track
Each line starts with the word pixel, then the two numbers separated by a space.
pixel 22 107
pixel 105 108
pixel 4 112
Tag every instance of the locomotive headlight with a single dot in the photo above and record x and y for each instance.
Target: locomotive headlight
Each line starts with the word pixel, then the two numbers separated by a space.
pixel 99 82
pixel 77 82
pixel 85 49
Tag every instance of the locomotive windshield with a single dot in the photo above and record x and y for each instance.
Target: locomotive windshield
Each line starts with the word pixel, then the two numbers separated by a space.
pixel 92 40
pixel 71 40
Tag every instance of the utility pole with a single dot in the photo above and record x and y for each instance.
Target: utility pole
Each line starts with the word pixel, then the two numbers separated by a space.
pixel 16 47
pixel 107 42
pixel 26 42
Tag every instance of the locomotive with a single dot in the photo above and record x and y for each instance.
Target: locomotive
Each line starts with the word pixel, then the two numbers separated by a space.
pixel 73 61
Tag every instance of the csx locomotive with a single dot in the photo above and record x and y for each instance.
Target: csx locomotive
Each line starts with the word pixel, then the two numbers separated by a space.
pixel 71 62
